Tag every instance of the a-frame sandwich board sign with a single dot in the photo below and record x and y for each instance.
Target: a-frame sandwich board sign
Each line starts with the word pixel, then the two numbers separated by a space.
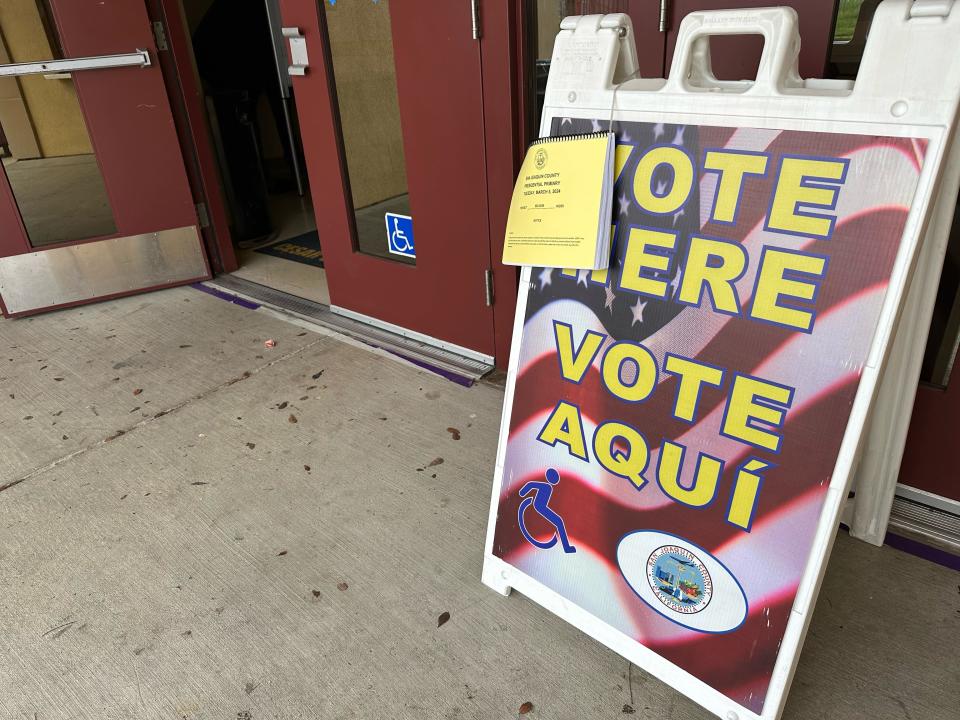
pixel 680 431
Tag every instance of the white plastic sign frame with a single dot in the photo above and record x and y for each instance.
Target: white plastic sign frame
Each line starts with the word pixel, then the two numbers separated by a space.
pixel 907 87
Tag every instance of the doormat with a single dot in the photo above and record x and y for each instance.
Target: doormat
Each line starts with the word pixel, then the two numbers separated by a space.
pixel 302 248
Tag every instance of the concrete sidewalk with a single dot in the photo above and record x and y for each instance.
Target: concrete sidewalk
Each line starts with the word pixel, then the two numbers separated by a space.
pixel 195 527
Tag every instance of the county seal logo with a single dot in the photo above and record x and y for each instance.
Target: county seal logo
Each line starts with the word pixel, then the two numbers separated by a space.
pixel 540 159
pixel 679 579
pixel 682 581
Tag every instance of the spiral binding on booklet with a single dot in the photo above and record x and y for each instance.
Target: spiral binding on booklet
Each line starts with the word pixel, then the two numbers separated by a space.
pixel 564 138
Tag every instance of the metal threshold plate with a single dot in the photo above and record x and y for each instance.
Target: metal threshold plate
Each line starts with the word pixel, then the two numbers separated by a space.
pixel 415 350
pixel 100 269
pixel 933 526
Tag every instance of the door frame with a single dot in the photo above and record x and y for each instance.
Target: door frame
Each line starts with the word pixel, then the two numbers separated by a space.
pixel 458 280
pixel 190 118
pixel 504 46
pixel 505 49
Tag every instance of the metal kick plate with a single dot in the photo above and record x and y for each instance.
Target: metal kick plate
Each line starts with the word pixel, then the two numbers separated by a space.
pixel 75 273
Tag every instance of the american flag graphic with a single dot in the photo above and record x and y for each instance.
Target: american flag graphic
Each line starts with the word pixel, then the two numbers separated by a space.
pixel 824 366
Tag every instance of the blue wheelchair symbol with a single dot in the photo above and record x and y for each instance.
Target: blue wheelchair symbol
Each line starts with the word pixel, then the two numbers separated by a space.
pixel 540 500
pixel 400 235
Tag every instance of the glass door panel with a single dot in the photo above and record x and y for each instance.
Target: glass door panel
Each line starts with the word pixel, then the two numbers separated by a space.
pixel 47 154
pixel 94 196
pixel 366 90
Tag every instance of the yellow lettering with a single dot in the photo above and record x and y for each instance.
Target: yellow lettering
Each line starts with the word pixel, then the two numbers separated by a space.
pixel 743 408
pixel 706 479
pixel 621 156
pixel 629 463
pixel 733 167
pixel 746 488
pixel 693 376
pixel 717 265
pixel 646 367
pixel 564 426
pixel 575 362
pixel 654 199
pixel 772 284
pixel 637 261
pixel 806 182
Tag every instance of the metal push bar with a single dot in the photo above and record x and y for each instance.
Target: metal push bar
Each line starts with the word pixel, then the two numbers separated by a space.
pixel 140 58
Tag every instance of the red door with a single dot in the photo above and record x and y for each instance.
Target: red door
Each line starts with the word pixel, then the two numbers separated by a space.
pixel 930 453
pixel 931 449
pixel 94 197
pixel 393 127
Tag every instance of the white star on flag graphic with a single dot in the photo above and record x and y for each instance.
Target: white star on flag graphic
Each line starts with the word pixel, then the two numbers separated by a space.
pixel 637 311
pixel 582 276
pixel 677 215
pixel 608 304
pixel 658 131
pixel 564 121
pixel 545 277
pixel 624 203
pixel 674 284
pixel 596 125
pixel 678 138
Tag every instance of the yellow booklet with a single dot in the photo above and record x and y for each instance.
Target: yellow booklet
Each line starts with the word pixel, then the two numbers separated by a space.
pixel 562 203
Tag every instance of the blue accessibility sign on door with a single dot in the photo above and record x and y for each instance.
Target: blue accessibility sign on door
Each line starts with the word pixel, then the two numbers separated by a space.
pixel 400 235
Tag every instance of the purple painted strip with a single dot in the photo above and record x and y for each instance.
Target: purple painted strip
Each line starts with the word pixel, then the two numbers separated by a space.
pixel 936 555
pixel 918 549
pixel 451 376
pixel 229 297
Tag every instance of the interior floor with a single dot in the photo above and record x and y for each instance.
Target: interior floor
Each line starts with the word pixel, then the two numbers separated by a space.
pixel 292 216
pixel 60 198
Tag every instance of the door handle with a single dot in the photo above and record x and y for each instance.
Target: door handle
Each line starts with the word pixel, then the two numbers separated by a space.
pixel 140 58
pixel 299 62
